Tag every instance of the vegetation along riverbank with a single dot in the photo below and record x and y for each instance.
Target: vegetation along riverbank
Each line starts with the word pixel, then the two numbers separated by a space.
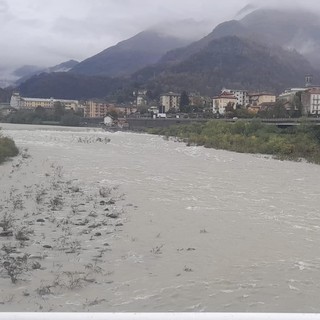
pixel 294 143
pixel 7 148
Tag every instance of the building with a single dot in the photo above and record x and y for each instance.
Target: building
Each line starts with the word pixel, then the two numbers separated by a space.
pixel 15 100
pixel 99 109
pixel 289 94
pixel 141 97
pixel 221 102
pixel 125 109
pixel 310 100
pixel 199 101
pixel 95 109
pixel 19 102
pixel 169 101
pixel 289 98
pixel 241 95
pixel 256 99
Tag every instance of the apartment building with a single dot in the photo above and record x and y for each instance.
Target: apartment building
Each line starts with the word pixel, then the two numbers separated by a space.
pixel 221 102
pixel 289 94
pixel 96 109
pixel 241 95
pixel 256 99
pixel 19 102
pixel 170 100
pixel 310 100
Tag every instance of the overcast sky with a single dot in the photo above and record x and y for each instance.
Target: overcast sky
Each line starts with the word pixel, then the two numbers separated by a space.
pixel 47 32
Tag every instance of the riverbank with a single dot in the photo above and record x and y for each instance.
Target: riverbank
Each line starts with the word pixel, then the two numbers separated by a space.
pixel 294 143
pixel 7 148
pixel 55 235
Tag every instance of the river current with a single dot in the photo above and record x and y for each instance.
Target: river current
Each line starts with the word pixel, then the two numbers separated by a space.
pixel 209 230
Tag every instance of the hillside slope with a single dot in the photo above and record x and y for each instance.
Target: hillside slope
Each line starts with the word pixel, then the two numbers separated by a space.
pixel 232 62
pixel 130 55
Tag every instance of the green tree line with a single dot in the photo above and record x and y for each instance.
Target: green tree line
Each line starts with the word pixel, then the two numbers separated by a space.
pixel 41 115
pixel 294 143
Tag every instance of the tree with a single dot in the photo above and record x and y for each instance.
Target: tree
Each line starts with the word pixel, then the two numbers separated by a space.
pixel 143 109
pixel 278 111
pixel 59 110
pixel 41 112
pixel 70 119
pixel 113 113
pixel 297 105
pixel 230 112
pixel 184 100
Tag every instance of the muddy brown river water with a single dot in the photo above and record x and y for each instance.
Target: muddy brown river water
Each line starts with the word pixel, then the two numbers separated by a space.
pixel 197 229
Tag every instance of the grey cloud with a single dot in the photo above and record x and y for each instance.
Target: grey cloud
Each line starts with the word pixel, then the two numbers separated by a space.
pixel 3 6
pixel 76 29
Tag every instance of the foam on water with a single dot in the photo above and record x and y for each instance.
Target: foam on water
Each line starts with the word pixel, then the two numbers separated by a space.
pixel 252 222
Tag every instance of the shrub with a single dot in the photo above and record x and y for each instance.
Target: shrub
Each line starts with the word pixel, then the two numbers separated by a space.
pixel 251 137
pixel 7 148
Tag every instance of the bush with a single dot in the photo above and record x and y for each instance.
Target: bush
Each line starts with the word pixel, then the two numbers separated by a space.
pixel 7 148
pixel 251 137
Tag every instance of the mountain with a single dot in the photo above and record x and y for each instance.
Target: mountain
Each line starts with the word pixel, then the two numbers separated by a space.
pixel 65 85
pixel 261 51
pixel 130 55
pixel 245 11
pixel 27 71
pixel 229 61
pixel 63 67
pixel 5 95
pixel 291 29
pixel 232 62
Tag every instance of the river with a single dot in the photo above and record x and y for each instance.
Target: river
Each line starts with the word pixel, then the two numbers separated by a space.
pixel 206 230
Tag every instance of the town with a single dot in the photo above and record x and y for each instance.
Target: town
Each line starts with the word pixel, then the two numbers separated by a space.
pixel 230 103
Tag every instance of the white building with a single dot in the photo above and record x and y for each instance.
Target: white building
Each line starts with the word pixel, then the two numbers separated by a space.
pixel 141 97
pixel 241 95
pixel 169 101
pixel 15 100
pixel 289 94
pixel 311 101
pixel 19 102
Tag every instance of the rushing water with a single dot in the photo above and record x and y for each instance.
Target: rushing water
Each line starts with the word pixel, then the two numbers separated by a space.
pixel 234 232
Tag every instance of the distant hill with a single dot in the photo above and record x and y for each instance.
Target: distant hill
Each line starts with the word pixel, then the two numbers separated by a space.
pixel 26 72
pixel 68 86
pixel 5 95
pixel 229 61
pixel 130 55
pixel 233 62
pixel 291 29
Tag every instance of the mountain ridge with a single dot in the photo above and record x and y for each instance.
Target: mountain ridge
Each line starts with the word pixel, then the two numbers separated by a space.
pixel 129 55
pixel 260 58
pixel 231 61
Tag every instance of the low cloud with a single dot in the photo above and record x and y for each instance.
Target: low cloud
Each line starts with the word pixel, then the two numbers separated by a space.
pixel 48 32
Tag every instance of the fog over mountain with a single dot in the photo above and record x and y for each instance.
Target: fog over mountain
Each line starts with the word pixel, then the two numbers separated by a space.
pixel 26 72
pixel 44 34
pixel 141 50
